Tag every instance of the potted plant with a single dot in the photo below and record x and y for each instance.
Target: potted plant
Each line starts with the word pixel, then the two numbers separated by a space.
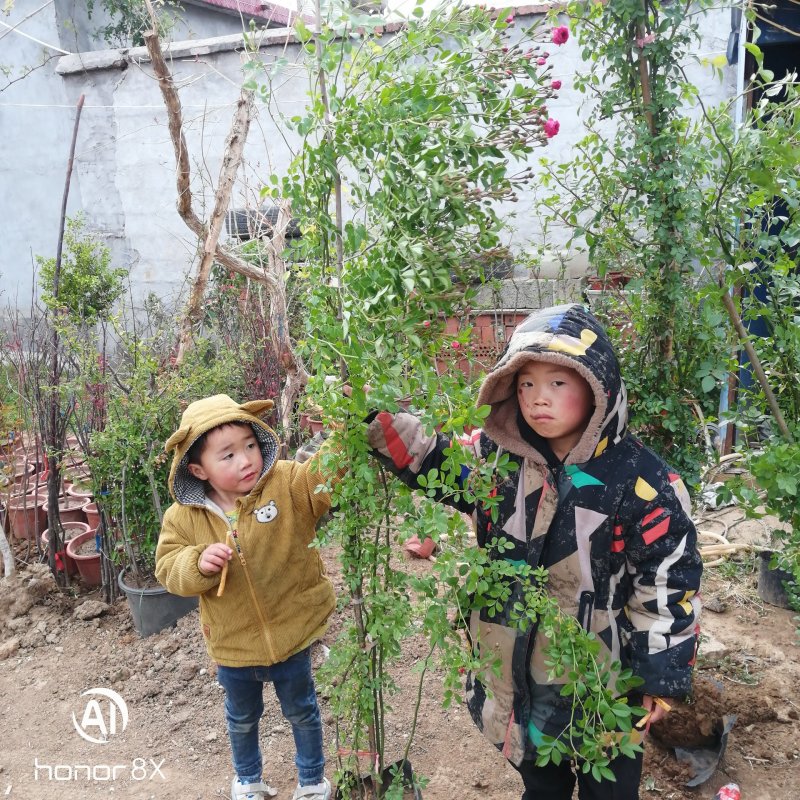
pixel 71 530
pixel 129 469
pixel 771 488
pixel 82 549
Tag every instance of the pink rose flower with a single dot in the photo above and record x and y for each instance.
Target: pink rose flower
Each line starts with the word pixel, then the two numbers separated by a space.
pixel 541 61
pixel 455 345
pixel 551 128
pixel 555 85
pixel 560 34
pixel 510 19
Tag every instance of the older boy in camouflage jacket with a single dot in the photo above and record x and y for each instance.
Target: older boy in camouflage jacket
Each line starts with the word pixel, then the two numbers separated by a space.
pixel 604 514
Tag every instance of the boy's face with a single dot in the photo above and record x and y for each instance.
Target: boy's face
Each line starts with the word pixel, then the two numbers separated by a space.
pixel 231 462
pixel 556 402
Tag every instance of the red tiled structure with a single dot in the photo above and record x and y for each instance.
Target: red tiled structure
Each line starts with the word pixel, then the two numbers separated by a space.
pixel 499 307
pixel 271 14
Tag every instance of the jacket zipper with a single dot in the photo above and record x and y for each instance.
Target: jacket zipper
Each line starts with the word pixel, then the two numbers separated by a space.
pixel 264 629
pixel 586 600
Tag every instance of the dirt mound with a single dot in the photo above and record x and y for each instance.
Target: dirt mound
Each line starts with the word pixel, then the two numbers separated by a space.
pixel 54 647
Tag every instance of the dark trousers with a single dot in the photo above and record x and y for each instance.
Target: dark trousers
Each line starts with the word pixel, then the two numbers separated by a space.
pixel 556 782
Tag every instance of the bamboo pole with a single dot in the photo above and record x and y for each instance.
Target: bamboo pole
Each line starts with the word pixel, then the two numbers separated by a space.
pixel 55 424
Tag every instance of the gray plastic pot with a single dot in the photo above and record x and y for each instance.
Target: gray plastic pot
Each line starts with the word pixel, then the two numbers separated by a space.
pixel 154 609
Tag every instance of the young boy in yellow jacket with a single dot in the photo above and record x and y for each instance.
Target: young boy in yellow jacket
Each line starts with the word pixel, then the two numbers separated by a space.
pixel 238 536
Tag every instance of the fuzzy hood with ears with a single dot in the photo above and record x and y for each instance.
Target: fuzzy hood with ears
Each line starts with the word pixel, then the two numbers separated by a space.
pixel 568 335
pixel 199 418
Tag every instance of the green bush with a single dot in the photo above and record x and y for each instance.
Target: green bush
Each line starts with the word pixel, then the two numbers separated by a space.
pixel 88 287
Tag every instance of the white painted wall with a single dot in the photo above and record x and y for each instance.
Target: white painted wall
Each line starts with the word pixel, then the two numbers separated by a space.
pixel 125 167
pixel 37 113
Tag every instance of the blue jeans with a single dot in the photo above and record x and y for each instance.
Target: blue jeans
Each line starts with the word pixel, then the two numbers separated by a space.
pixel 244 705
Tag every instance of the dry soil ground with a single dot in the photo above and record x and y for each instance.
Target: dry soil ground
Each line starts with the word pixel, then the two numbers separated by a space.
pixel 749 667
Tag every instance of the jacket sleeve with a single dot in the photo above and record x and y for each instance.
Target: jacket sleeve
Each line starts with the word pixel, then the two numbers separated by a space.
pixel 177 561
pixel 663 608
pixel 401 442
pixel 304 478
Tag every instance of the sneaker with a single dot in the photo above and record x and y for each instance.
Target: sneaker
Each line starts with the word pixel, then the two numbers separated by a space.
pixel 251 791
pixel 314 791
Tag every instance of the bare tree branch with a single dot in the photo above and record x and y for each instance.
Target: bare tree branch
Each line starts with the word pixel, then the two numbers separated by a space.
pixel 273 276
pixel 231 160
pixel 175 118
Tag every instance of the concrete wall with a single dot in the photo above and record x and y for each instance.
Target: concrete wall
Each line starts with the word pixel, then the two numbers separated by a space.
pixel 36 126
pixel 125 166
pixel 37 113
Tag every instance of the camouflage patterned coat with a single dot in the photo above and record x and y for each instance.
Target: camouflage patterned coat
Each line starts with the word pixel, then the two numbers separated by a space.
pixel 611 524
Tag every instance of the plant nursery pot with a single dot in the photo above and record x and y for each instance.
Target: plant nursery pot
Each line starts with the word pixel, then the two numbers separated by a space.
pixel 154 609
pixel 70 509
pixel 92 515
pixel 88 563
pixel 80 491
pixel 419 549
pixel 315 425
pixel 23 462
pixel 27 518
pixel 74 460
pixel 71 530
pixel 771 582
pixel 22 477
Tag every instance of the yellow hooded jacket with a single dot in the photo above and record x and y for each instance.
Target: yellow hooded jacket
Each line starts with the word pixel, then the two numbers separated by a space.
pixel 277 599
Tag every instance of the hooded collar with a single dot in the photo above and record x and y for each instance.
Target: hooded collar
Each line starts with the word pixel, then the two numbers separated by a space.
pixel 568 335
pixel 201 417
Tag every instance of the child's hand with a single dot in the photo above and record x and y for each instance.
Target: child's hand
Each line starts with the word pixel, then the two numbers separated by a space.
pixel 657 708
pixel 214 558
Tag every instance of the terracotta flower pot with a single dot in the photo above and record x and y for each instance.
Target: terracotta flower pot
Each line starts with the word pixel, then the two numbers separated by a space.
pixel 27 518
pixel 81 491
pixel 74 461
pixel 21 476
pixel 315 425
pixel 88 563
pixel 420 549
pixel 70 509
pixel 71 530
pixel 92 515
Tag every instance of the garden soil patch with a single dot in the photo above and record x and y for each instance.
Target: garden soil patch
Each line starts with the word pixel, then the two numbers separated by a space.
pixel 174 746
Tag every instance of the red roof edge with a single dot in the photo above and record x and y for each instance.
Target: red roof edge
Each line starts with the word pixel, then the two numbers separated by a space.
pixel 256 9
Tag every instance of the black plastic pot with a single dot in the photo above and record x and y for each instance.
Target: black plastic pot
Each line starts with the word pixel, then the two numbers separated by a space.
pixel 155 609
pixel 771 582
